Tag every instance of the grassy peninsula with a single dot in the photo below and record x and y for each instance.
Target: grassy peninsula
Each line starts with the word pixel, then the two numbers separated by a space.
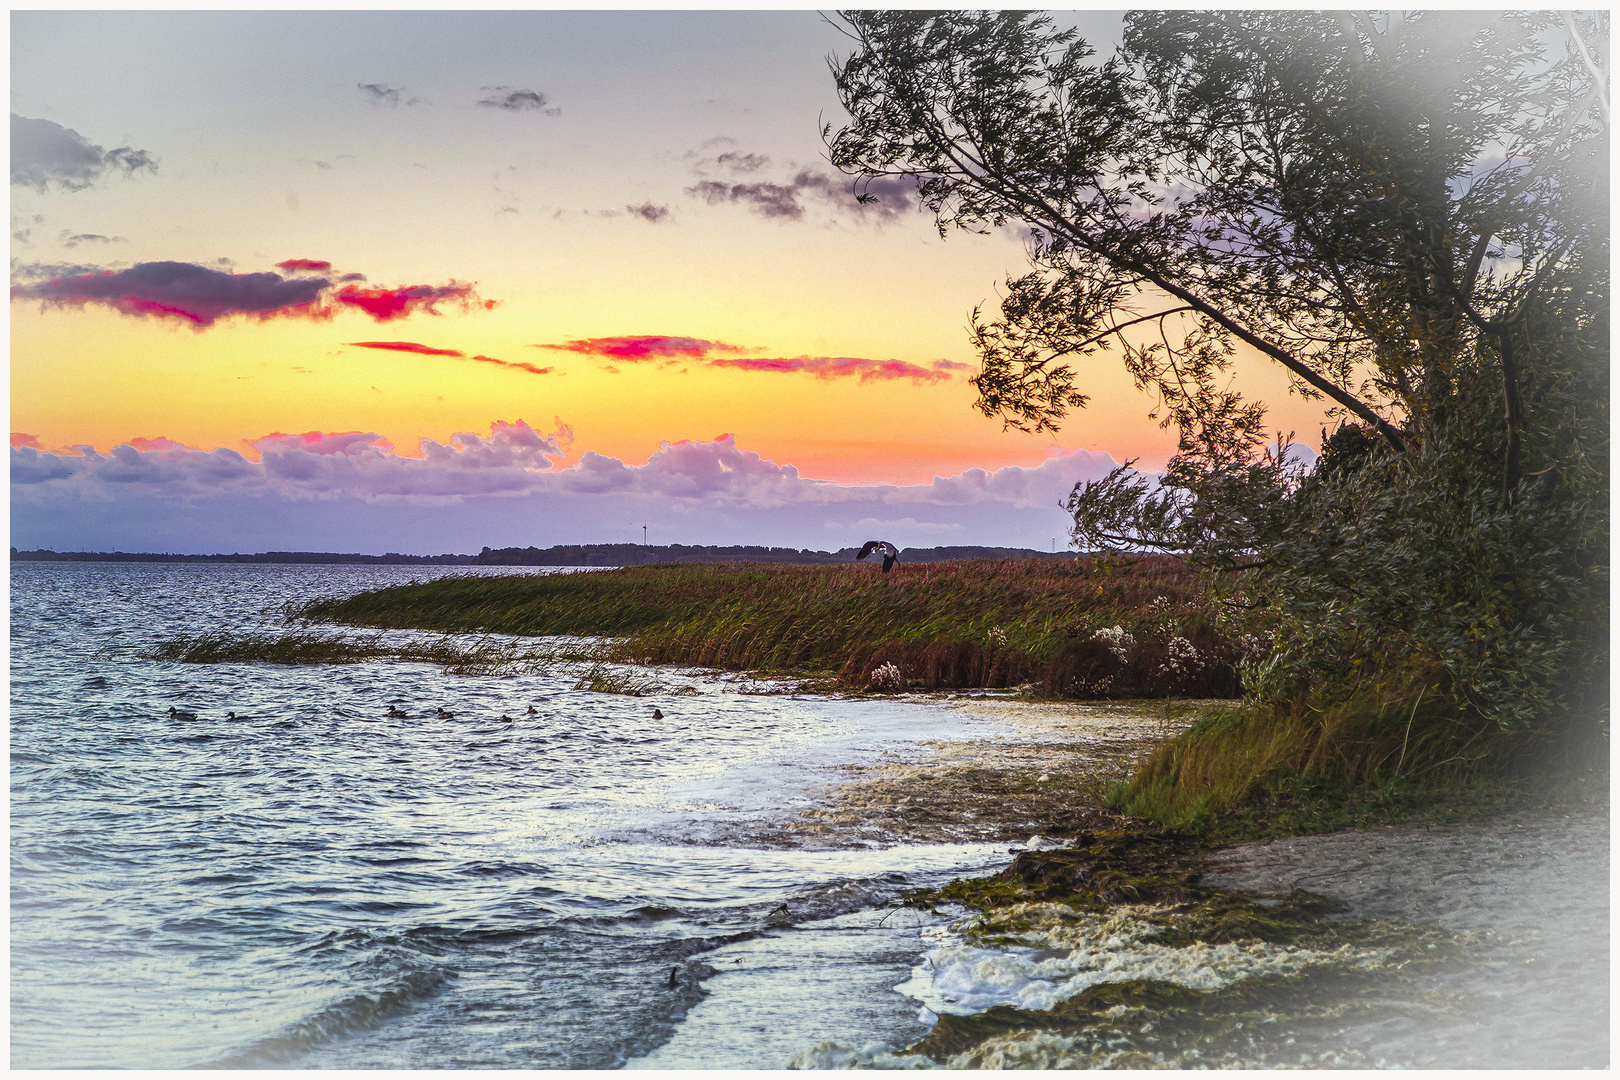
pixel 1358 749
pixel 1093 628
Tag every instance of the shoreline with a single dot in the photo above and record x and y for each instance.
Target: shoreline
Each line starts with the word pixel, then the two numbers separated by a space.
pixel 1521 897
pixel 1006 788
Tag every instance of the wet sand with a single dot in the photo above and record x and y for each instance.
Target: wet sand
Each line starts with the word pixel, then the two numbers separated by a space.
pixel 1530 895
pixel 1044 775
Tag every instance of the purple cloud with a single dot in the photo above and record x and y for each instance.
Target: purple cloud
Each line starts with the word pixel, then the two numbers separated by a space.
pixel 882 197
pixel 507 99
pixel 202 295
pixel 513 459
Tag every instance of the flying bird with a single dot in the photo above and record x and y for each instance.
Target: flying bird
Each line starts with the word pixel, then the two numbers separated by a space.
pixel 890 555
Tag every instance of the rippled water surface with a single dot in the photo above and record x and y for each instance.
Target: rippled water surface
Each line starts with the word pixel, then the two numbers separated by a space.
pixel 315 884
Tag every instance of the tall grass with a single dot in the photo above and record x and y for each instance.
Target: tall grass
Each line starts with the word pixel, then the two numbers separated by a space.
pixel 983 623
pixel 1258 768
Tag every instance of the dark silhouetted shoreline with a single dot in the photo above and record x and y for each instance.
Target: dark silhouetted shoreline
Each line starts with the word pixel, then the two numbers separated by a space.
pixel 559 555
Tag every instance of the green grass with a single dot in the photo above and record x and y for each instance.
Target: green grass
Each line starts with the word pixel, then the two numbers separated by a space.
pixel 979 623
pixel 1393 753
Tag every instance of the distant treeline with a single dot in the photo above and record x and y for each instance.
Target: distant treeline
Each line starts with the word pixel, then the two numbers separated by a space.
pixel 560 555
pixel 393 558
pixel 640 554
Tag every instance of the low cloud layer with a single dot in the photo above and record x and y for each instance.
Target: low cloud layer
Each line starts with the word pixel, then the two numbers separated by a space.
pixel 203 295
pixel 46 154
pixel 509 486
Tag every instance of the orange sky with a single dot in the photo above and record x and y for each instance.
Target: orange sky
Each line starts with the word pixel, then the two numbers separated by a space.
pixel 536 208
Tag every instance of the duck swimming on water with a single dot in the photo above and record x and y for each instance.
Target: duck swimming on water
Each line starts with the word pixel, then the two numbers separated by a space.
pixel 396 713
pixel 446 714
pixel 178 714
pixel 533 711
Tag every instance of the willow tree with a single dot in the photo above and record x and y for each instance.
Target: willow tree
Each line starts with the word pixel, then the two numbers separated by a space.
pixel 1408 213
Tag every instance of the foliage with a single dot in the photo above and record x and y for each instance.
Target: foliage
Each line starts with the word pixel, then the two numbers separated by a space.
pixel 1408 212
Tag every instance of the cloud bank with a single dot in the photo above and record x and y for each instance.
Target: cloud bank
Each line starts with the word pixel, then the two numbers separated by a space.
pixel 509 487
pixel 202 295
pixel 44 153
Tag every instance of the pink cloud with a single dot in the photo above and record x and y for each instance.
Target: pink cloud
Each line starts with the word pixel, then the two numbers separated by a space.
pixel 406 346
pixel 520 365
pixel 296 265
pixel 829 367
pixel 644 347
pixel 671 350
pixel 386 305
pixel 428 350
pixel 157 442
pixel 202 295
pixel 320 442
pixel 20 438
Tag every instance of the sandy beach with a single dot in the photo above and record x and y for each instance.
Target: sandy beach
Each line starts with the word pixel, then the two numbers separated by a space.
pixel 1525 898
pixel 1043 775
pixel 1531 893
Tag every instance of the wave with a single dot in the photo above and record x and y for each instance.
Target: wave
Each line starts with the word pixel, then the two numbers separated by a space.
pixel 335 1020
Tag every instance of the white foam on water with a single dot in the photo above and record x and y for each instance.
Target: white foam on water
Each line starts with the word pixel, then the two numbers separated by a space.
pixel 1056 953
pixel 840 1055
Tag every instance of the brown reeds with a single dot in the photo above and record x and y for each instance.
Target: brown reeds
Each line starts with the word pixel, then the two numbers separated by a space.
pixel 977 623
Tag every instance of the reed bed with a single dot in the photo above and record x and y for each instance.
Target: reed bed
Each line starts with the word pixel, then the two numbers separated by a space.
pixel 483 657
pixel 979 623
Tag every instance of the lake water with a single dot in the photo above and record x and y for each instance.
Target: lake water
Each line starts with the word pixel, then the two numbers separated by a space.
pixel 315 884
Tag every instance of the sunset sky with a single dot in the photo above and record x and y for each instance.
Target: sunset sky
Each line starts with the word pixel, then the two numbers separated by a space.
pixel 427 281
